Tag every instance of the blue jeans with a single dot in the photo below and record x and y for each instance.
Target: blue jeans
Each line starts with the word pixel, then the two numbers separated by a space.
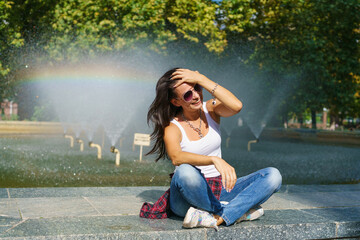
pixel 189 188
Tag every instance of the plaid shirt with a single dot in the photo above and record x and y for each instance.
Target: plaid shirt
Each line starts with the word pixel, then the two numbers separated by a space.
pixel 161 208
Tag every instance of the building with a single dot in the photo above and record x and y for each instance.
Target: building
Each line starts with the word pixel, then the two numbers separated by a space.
pixel 8 109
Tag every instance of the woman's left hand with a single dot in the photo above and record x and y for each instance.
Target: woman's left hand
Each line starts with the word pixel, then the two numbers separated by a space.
pixel 186 75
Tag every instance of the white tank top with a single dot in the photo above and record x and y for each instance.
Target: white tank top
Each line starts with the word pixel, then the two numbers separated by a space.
pixel 210 145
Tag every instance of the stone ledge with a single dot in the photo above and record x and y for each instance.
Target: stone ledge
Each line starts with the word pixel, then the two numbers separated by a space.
pixel 132 227
pixel 296 212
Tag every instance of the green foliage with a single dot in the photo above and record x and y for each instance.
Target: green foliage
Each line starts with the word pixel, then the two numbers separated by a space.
pixel 12 117
pixel 10 37
pixel 316 40
pixel 98 27
pixel 43 112
pixel 318 37
pixel 38 113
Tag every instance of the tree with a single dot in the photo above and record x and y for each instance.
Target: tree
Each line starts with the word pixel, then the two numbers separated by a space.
pixel 319 38
pixel 10 38
pixel 99 27
pixel 316 41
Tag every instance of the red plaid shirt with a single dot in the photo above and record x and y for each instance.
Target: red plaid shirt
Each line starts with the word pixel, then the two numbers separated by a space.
pixel 161 208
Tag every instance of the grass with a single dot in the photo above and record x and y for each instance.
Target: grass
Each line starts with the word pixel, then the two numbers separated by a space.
pixel 50 162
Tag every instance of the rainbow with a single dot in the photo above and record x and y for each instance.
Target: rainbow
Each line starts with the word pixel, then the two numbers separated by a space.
pixel 87 73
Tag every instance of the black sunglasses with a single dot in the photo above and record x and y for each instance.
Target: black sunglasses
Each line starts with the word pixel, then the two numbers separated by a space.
pixel 189 94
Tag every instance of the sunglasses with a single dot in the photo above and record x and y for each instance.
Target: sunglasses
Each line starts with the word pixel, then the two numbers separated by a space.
pixel 188 96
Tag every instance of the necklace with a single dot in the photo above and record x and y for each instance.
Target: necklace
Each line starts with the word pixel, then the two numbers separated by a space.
pixel 198 130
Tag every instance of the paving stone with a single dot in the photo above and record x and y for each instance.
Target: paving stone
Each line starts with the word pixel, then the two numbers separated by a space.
pixel 55 207
pixel 283 231
pixel 91 225
pixel 151 195
pixel 3 193
pixel 56 192
pixel 348 229
pixel 9 208
pixel 346 214
pixel 296 212
pixel 7 222
pixel 111 205
pixel 79 192
pixel 289 216
pixel 3 228
pixel 279 224
pixel 347 220
pixel 313 200
pixel 320 188
pixel 278 201
pixel 162 235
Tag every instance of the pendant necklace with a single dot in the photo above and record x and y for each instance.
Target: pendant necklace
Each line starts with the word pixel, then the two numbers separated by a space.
pixel 198 130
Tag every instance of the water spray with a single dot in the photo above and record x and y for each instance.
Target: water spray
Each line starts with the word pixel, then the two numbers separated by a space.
pixel 227 142
pixel 71 139
pixel 121 142
pixel 93 145
pixel 117 152
pixel 252 141
pixel 81 144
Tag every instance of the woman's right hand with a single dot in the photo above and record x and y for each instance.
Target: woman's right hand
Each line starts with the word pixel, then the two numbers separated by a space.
pixel 186 75
pixel 227 172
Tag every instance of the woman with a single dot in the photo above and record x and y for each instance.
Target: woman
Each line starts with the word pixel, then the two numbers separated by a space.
pixel 187 130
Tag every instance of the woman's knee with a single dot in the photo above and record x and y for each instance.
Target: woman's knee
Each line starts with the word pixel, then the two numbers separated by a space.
pixel 188 175
pixel 274 178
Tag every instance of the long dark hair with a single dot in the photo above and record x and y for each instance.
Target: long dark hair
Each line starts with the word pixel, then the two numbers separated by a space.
pixel 161 112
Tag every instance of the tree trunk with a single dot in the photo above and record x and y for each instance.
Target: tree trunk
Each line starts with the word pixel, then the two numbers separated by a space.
pixel 301 120
pixel 313 119
pixel 285 120
pixel 332 119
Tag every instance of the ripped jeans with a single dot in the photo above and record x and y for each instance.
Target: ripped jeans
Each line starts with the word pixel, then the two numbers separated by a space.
pixel 189 188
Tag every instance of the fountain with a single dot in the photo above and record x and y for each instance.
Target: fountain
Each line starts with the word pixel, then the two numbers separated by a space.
pixel 71 140
pixel 93 145
pixel 97 96
pixel 261 100
pixel 81 144
pixel 250 142
pixel 105 104
pixel 117 155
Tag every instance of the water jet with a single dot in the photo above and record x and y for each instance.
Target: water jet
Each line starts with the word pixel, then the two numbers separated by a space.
pixel 252 141
pixel 93 145
pixel 227 142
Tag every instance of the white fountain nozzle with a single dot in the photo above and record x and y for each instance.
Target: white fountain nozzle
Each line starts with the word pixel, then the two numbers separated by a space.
pixel 71 139
pixel 250 142
pixel 93 145
pixel 112 149
pixel 117 156
pixel 78 140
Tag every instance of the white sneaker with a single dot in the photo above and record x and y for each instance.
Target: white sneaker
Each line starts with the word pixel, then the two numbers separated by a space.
pixel 224 203
pixel 198 218
pixel 252 214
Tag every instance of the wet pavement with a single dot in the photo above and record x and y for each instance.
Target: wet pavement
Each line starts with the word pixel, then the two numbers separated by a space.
pixel 296 212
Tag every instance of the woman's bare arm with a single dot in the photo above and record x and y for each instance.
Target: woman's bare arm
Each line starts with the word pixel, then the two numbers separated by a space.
pixel 227 104
pixel 172 139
